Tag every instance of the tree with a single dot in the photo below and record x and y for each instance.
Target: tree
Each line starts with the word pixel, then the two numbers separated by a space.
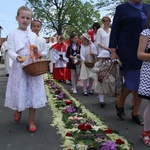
pixel 64 15
pixel 110 5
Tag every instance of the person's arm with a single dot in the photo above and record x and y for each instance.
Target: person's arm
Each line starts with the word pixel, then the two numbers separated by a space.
pixel 142 47
pixel 44 49
pixel 95 69
pixel 82 53
pixel 94 49
pixel 11 47
pixel 68 52
pixel 114 35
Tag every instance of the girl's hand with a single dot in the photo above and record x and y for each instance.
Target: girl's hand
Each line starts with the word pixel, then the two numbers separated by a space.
pixel 71 56
pixel 21 59
pixel 78 55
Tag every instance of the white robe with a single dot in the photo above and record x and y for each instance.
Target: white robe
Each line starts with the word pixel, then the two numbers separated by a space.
pixel 7 60
pixel 50 55
pixel 60 63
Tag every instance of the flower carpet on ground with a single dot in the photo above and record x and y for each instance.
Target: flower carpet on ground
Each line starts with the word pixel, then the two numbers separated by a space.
pixel 80 129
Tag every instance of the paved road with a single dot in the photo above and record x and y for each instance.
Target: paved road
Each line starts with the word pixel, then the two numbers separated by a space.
pixel 15 136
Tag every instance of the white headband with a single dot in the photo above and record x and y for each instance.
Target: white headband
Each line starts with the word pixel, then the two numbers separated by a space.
pixel 86 37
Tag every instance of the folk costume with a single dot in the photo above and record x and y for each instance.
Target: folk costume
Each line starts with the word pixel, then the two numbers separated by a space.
pixel 60 61
pixel 23 91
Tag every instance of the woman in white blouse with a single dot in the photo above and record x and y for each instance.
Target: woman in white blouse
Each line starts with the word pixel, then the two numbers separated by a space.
pixel 103 34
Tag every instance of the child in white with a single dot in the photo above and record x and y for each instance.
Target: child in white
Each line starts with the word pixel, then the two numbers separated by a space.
pixel 36 26
pixel 101 66
pixel 24 91
pixel 86 74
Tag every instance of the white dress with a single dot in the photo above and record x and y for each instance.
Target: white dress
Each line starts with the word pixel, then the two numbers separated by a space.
pixel 85 72
pixel 102 38
pixel 23 91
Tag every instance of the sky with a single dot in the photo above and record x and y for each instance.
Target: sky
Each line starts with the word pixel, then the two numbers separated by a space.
pixel 8 11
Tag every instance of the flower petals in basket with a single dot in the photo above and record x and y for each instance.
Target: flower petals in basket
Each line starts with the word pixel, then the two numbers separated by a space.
pixel 38 67
pixel 90 60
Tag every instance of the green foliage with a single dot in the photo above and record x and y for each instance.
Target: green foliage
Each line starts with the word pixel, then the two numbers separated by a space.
pixel 110 5
pixel 63 16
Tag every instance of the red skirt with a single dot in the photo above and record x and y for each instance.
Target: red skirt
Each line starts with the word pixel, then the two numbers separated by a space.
pixel 59 73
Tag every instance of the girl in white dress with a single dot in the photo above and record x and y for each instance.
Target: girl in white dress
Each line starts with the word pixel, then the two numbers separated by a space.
pixel 24 91
pixel 86 74
pixel 36 26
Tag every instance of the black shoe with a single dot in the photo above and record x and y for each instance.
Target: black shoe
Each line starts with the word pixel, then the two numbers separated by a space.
pixel 102 104
pixel 138 119
pixel 7 75
pixel 91 92
pixel 85 93
pixel 120 113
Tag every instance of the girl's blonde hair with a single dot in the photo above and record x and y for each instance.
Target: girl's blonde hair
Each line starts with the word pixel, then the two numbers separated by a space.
pixel 24 8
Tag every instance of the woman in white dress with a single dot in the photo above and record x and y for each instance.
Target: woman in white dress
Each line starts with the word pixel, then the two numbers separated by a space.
pixel 86 74
pixel 24 91
pixel 103 34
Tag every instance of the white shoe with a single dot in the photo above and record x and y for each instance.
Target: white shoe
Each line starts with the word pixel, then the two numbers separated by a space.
pixel 74 91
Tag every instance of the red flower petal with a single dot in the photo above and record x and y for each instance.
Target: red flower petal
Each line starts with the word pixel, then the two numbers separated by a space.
pixel 119 141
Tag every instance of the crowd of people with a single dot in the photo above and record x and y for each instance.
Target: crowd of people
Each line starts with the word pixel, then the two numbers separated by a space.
pixel 83 58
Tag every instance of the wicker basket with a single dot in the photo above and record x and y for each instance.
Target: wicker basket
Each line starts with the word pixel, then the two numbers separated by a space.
pixel 90 64
pixel 37 68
